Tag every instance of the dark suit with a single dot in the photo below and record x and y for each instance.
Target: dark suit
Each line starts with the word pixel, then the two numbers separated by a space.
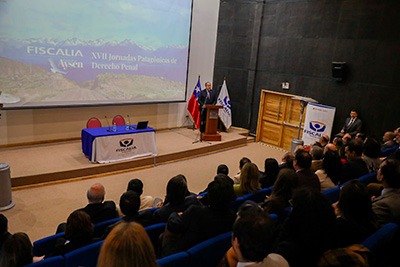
pixel 196 225
pixel 353 169
pixel 353 128
pixel 204 99
pixel 307 178
pixel 100 212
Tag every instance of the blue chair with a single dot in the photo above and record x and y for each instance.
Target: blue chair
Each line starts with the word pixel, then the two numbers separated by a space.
pixel 389 151
pixel 85 256
pixel 211 251
pixel 381 237
pixel 100 228
pixel 57 261
pixel 154 231
pixel 369 178
pixel 181 259
pixel 259 196
pixel 274 217
pixel 45 246
pixel 332 194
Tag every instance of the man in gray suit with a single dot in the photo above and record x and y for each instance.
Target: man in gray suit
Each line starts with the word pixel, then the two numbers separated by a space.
pixel 352 124
pixel 387 206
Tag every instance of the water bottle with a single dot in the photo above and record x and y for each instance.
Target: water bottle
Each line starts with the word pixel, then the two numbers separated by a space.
pixel 115 127
pixel 127 126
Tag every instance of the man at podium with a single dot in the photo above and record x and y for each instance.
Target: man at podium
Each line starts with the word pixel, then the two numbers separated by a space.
pixel 206 97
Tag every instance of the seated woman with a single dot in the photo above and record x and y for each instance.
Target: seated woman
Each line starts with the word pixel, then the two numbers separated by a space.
pixel 17 251
pixel 329 175
pixel 78 233
pixel 356 220
pixel 282 192
pixel 372 154
pixel 178 199
pixel 249 180
pixel 271 170
pixel 127 245
pixel 199 223
pixel 310 229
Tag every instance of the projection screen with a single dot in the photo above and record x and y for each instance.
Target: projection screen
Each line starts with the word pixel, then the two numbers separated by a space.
pixel 93 52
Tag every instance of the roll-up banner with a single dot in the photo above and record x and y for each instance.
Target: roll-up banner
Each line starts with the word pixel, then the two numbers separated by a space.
pixel 319 121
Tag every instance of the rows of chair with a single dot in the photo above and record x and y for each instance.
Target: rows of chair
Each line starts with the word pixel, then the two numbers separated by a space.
pixel 207 253
pixel 94 122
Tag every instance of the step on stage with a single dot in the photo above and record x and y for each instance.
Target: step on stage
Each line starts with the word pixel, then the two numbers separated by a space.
pixel 51 162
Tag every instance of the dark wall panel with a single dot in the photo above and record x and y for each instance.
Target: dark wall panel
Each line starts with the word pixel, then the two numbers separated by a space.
pixel 260 44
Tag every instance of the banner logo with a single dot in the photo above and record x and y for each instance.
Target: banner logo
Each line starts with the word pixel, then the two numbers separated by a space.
pixel 317 126
pixel 127 142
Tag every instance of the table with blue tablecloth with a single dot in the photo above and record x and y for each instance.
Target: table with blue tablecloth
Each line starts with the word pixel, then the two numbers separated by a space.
pixel 103 145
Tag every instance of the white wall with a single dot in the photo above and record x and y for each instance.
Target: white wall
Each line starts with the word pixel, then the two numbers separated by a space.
pixel 33 125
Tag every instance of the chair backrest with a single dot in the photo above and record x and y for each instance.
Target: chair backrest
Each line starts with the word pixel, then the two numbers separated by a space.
pixel 154 231
pixel 93 122
pixel 381 237
pixel 332 194
pixel 368 178
pixel 57 261
pixel 389 151
pixel 85 256
pixel 259 196
pixel 180 259
pixel 211 251
pixel 118 120
pixel 45 246
pixel 100 228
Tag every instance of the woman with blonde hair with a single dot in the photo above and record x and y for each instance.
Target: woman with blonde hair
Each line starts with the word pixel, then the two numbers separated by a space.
pixel 249 180
pixel 127 245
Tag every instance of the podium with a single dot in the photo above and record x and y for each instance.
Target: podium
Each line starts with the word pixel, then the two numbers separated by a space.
pixel 211 124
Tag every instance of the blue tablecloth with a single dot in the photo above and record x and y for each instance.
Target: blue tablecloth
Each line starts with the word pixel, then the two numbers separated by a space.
pixel 88 135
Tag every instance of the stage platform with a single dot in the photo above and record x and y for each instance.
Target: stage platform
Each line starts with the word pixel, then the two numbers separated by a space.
pixel 52 162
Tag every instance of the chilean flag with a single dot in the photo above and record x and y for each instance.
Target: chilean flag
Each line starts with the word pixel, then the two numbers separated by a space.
pixel 193 105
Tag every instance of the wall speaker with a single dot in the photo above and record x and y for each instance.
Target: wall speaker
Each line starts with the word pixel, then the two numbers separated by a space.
pixel 339 71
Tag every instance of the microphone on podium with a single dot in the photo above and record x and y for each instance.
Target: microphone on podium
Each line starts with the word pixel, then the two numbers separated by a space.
pixel 108 123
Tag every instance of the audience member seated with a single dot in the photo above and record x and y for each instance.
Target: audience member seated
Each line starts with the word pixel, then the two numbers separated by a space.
pixel 78 233
pixel 127 245
pixel 271 169
pixel 287 161
pixel 360 137
pixel 322 141
pixel 177 199
pixel 98 209
pixel 306 178
pixel 355 166
pixel 388 140
pixel 387 206
pixel 329 175
pixel 253 238
pixel 221 169
pixel 236 178
pixel 346 139
pixel 199 223
pixel 317 153
pixel 310 229
pixel 396 153
pixel 4 234
pixel 129 204
pixel 17 251
pixel 136 185
pixel 330 147
pixel 355 218
pixel 249 180
pixel 338 142
pixel 282 192
pixel 372 154
pixel 205 200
